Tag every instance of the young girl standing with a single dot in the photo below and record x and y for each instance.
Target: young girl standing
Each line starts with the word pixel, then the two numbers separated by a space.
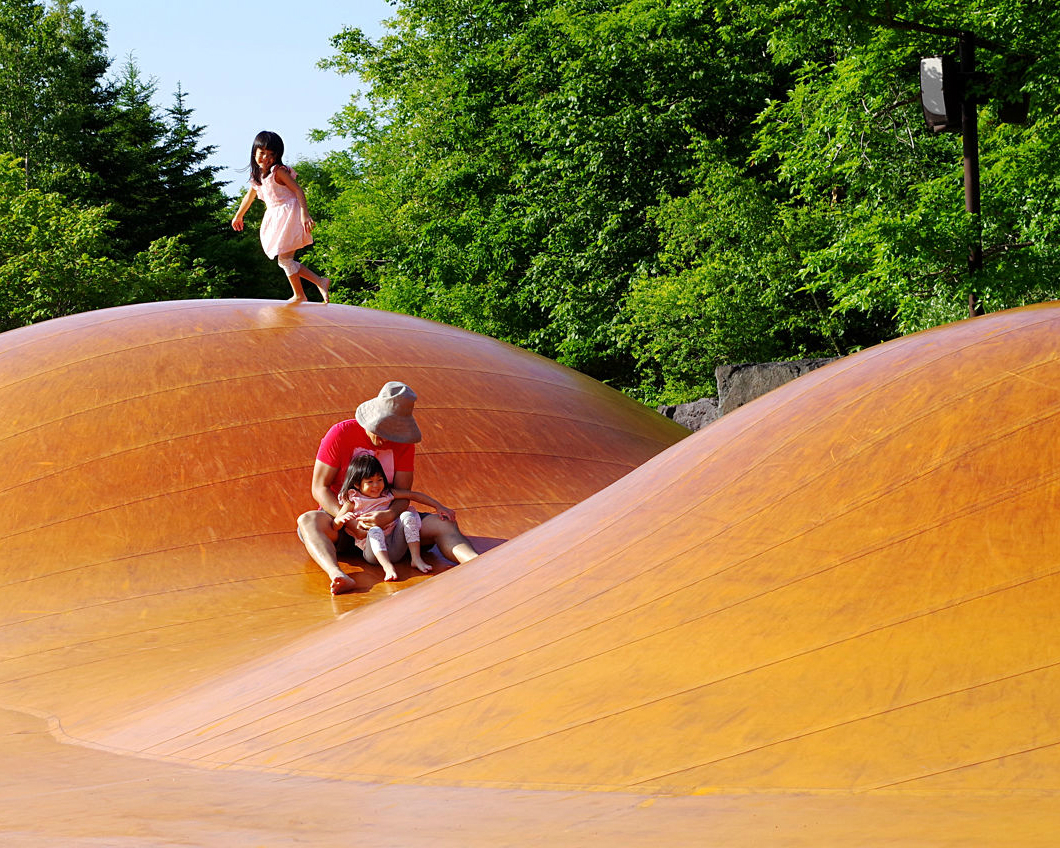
pixel 286 226
pixel 365 490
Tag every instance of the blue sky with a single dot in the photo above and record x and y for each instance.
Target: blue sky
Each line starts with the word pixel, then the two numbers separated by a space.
pixel 244 66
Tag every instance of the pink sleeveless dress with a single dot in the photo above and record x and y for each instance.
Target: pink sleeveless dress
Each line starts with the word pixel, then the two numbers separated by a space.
pixel 281 228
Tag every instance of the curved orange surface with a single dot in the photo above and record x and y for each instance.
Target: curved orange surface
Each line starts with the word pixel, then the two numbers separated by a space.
pixel 826 619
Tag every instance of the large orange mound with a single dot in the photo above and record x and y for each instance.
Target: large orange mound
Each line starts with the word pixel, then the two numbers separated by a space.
pixel 826 619
pixel 155 458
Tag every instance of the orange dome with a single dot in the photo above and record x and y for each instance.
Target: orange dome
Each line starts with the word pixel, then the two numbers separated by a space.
pixel 826 617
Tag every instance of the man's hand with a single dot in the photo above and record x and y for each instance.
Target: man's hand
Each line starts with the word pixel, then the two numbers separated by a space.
pixel 374 519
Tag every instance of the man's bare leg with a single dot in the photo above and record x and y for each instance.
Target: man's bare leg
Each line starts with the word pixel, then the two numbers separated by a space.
pixel 453 544
pixel 319 535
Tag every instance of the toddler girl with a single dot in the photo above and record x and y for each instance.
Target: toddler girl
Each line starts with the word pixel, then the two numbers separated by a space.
pixel 365 490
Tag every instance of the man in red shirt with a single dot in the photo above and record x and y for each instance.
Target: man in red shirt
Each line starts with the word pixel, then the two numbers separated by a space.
pixel 385 427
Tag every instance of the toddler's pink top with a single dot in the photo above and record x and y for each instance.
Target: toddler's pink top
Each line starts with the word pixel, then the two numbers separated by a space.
pixel 359 505
pixel 281 228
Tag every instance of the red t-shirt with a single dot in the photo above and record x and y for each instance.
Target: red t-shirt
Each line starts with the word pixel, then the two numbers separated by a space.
pixel 348 439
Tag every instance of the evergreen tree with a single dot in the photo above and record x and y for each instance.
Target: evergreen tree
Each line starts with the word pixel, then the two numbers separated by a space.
pixel 194 197
pixel 130 170
pixel 115 202
pixel 56 258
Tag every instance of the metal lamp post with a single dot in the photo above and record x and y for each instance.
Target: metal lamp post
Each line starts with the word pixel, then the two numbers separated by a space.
pixel 949 96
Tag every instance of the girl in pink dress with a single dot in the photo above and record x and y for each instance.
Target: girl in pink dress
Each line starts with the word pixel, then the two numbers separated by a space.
pixel 366 490
pixel 286 226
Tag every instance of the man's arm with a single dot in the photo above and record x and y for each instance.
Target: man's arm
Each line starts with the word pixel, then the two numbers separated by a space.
pixel 323 477
pixel 402 480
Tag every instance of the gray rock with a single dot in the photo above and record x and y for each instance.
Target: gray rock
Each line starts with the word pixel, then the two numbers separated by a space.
pixel 737 385
pixel 694 415
pixel 740 384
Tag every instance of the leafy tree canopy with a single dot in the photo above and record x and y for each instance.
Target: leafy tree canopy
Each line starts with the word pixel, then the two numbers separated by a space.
pixel 504 163
pixel 645 189
pixel 55 258
pixel 642 189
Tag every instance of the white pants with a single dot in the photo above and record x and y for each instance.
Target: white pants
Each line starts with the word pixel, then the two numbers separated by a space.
pixel 395 543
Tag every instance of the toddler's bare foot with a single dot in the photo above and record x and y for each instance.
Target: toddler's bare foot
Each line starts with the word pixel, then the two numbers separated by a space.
pixel 421 565
pixel 324 286
pixel 342 584
pixel 293 299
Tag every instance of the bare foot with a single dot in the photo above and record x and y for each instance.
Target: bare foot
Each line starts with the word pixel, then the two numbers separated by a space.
pixel 342 584
pixel 324 286
pixel 293 299
pixel 391 575
pixel 421 565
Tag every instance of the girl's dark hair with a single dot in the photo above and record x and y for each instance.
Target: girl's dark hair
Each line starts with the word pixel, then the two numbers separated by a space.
pixel 362 467
pixel 269 141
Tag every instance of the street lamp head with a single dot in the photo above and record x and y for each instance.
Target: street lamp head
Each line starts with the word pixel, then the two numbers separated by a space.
pixel 941 93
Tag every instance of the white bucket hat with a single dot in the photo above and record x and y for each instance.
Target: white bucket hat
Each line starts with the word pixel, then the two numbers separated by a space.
pixel 389 415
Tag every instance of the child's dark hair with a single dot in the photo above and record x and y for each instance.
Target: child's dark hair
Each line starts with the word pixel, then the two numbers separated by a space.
pixel 362 467
pixel 269 141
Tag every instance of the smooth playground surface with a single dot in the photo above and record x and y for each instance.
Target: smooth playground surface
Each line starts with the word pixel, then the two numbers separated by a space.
pixel 827 619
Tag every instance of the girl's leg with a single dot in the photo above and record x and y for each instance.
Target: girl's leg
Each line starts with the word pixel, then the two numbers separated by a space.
pixel 376 553
pixel 290 268
pixel 410 523
pixel 295 272
pixel 395 541
pixel 323 284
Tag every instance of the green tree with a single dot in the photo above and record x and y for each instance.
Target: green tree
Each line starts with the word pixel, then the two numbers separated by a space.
pixel 645 189
pixel 846 225
pixel 724 286
pixel 504 165
pixel 115 201
pixel 195 206
pixel 52 60
pixel 55 258
pixel 193 198
pixel 150 170
pixel 849 141
pixel 130 171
